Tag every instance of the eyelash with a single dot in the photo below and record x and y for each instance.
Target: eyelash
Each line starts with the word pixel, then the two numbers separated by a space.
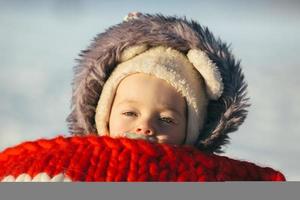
pixel 130 114
pixel 167 120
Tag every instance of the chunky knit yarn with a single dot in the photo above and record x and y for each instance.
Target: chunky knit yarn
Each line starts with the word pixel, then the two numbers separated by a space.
pixel 91 158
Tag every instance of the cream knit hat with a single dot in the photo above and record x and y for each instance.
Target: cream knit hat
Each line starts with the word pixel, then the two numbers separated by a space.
pixel 194 76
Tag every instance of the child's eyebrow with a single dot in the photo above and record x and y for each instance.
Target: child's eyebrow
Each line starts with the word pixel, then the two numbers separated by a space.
pixel 129 101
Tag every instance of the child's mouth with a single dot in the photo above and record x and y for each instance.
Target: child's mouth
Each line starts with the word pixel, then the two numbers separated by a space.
pixel 139 136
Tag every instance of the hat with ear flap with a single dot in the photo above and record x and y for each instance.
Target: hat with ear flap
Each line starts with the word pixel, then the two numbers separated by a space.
pixel 220 78
pixel 176 69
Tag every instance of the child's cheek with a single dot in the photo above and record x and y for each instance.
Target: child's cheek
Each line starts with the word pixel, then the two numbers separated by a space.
pixel 119 127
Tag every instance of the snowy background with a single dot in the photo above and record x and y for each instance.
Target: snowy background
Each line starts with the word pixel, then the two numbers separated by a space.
pixel 39 41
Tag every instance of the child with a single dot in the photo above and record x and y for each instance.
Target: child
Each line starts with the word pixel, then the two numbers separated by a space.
pixel 159 78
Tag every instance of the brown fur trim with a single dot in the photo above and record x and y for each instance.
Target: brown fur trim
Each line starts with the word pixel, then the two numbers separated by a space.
pixel 96 63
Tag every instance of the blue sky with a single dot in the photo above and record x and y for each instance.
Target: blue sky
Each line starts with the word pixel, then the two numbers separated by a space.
pixel 40 40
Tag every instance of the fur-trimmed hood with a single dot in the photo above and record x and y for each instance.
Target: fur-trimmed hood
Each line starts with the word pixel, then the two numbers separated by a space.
pixel 97 62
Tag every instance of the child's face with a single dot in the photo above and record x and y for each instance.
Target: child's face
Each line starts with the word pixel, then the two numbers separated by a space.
pixel 149 106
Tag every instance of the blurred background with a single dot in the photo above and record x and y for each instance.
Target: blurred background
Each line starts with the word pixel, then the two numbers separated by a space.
pixel 40 40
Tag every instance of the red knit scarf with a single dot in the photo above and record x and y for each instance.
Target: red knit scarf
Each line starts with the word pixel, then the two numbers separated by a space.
pixel 92 158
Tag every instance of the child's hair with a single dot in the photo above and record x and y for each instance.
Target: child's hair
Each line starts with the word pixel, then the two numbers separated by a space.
pixel 226 108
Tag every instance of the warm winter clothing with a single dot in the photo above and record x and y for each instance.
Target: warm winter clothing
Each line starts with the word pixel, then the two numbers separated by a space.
pixel 93 158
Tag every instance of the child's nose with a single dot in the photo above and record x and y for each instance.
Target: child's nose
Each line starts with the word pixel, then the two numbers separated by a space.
pixel 144 129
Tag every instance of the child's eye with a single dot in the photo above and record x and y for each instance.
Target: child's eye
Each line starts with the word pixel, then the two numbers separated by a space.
pixel 129 114
pixel 167 120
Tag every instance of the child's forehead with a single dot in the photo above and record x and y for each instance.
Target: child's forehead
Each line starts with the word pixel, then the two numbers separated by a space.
pixel 133 101
pixel 162 100
pixel 149 91
pixel 143 86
